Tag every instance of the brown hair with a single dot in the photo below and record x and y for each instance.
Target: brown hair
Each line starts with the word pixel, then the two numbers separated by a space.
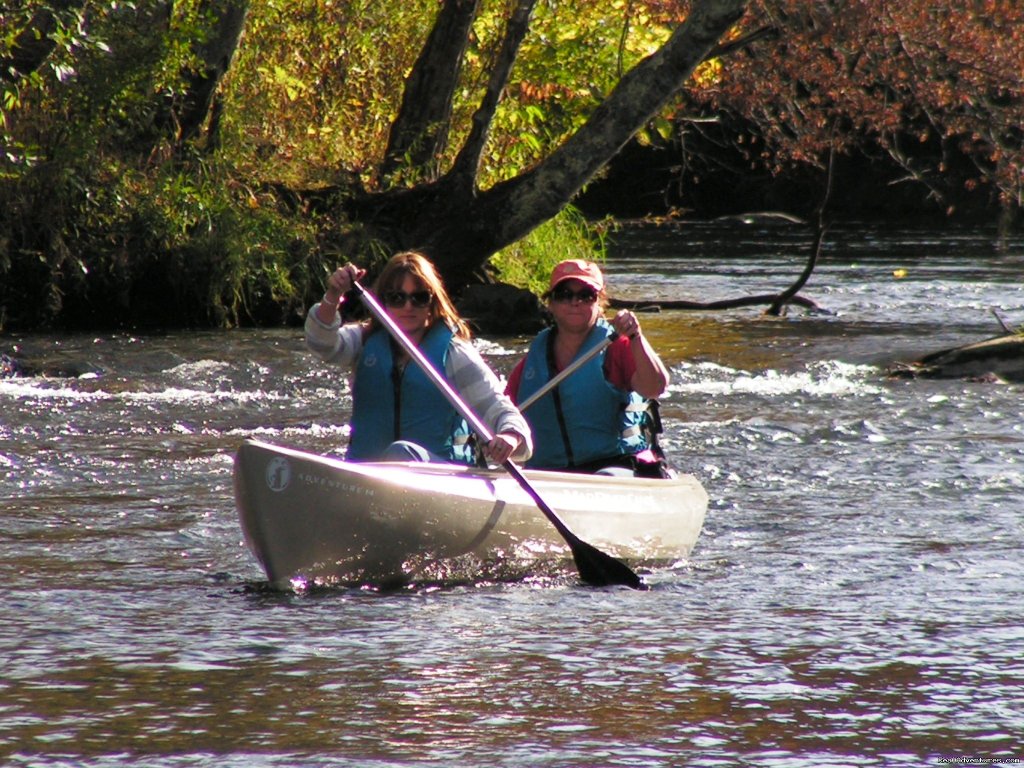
pixel 419 267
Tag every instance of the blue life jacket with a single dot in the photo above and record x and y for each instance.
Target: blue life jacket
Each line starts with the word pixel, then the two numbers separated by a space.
pixel 389 404
pixel 584 419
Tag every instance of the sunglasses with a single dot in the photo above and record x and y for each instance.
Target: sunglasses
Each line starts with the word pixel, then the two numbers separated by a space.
pixel 585 295
pixel 397 299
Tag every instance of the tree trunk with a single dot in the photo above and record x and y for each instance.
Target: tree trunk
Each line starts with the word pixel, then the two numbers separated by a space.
pixel 420 132
pixel 216 54
pixel 464 169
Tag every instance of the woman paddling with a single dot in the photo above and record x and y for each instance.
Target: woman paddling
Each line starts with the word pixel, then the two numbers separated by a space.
pixel 597 419
pixel 397 412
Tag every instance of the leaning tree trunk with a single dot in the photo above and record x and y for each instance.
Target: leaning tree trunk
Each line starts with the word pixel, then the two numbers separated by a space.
pixel 516 207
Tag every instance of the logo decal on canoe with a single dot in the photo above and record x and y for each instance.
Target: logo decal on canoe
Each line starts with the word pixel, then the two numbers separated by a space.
pixel 279 473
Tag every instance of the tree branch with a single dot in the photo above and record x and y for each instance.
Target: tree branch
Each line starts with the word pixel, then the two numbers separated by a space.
pixel 539 194
pixel 778 306
pixel 745 41
pixel 463 172
pixel 647 305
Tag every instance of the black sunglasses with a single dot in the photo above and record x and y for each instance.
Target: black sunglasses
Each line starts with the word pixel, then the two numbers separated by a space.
pixel 585 295
pixel 419 299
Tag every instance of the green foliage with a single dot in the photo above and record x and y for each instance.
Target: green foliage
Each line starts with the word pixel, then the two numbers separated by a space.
pixel 105 220
pixel 315 90
pixel 528 263
pixel 20 87
pixel 183 244
pixel 101 224
pixel 106 217
pixel 219 253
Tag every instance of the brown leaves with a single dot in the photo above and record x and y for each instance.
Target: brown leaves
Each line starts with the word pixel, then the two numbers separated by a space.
pixel 931 72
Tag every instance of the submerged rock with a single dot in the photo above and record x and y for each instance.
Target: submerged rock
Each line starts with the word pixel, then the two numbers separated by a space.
pixel 12 367
pixel 1000 358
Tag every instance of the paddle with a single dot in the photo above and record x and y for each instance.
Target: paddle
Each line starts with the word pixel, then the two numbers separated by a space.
pixel 567 371
pixel 594 566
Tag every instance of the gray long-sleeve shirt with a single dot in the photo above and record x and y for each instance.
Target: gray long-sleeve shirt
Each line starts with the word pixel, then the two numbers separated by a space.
pixel 469 375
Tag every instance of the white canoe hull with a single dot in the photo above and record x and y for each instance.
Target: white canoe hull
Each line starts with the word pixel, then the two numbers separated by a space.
pixel 310 519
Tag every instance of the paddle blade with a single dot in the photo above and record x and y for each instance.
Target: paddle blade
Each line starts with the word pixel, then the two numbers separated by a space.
pixel 602 570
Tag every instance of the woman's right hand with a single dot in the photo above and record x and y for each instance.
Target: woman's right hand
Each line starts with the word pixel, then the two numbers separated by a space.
pixel 340 282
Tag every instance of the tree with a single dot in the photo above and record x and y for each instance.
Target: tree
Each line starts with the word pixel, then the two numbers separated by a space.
pixel 933 90
pixel 448 215
pixel 811 80
pixel 195 146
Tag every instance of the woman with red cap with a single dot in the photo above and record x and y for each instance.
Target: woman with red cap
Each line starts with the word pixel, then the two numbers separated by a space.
pixel 594 420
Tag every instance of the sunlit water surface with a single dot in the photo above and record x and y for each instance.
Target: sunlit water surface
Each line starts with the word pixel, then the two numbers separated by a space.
pixel 855 598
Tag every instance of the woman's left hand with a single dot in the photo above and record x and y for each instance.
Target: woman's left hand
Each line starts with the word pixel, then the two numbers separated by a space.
pixel 626 323
pixel 501 448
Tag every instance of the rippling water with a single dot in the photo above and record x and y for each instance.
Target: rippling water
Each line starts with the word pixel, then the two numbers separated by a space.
pixel 855 598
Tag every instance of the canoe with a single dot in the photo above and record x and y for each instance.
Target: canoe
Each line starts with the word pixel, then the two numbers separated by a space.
pixel 314 520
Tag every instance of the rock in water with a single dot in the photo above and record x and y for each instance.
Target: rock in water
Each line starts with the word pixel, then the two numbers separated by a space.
pixel 500 308
pixel 999 358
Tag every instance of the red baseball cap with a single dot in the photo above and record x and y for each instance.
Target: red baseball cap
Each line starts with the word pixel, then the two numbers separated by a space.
pixel 586 272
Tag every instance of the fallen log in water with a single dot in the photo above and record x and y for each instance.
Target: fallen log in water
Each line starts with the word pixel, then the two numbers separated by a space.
pixel 1000 358
pixel 656 305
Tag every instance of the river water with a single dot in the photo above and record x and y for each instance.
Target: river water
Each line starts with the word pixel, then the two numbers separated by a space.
pixel 855 598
